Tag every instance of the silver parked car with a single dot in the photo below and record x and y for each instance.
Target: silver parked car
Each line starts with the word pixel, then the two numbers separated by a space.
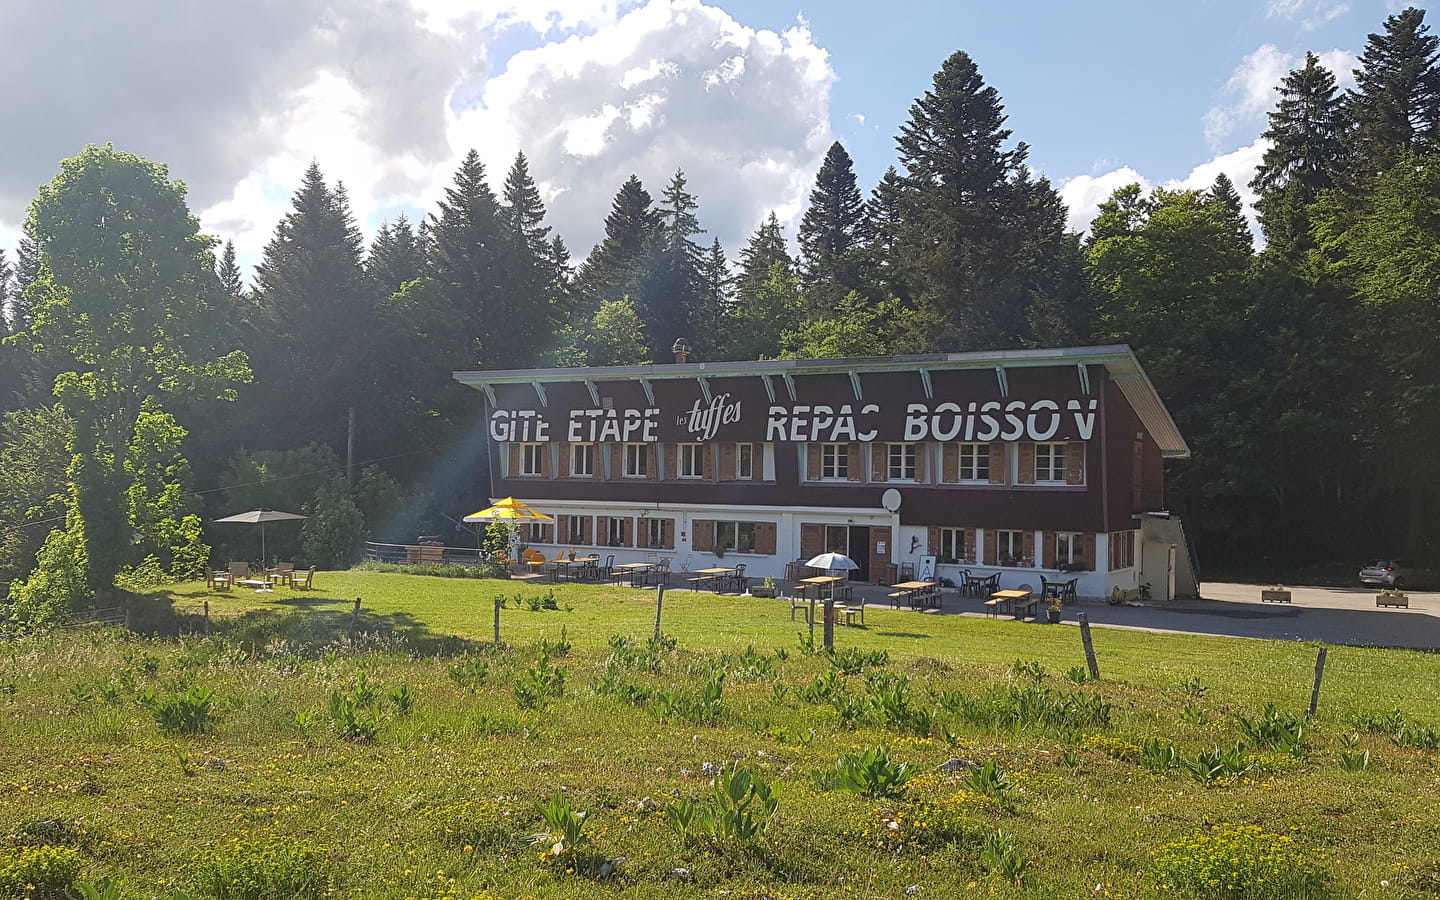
pixel 1392 572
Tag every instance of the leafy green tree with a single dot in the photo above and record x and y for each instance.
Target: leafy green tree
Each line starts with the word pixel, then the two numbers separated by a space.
pixel 126 295
pixel 397 255
pixel 858 328
pixel 35 457
pixel 164 517
pixel 765 313
pixel 1304 157
pixel 331 537
pixel 1394 108
pixel 613 336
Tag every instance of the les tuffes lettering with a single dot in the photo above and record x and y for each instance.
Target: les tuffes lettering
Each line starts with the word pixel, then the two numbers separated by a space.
pixel 705 421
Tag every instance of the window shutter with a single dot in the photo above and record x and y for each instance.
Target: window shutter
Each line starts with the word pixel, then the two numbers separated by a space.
pixel 992 540
pixel 1087 544
pixel 671 454
pixel 970 545
pixel 727 462
pixel 1047 549
pixel 608 461
pixel 932 541
pixel 812 462
pixel 567 460
pixel 921 451
pixel 1075 462
pixel 757 462
pixel 642 535
pixel 667 534
pixel 949 463
pixel 812 540
pixel 998 459
pixel 545 453
pixel 707 462
pixel 856 462
pixel 513 455
pixel 765 537
pixel 587 524
pixel 652 461
pixel 627 532
pixel 703 537
pixel 562 528
pixel 879 462
pixel 1026 474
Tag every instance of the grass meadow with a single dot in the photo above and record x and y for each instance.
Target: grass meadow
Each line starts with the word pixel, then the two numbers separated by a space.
pixel 288 754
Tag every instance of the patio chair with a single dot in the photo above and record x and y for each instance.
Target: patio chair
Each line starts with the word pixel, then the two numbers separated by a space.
pixel 740 583
pixel 238 570
pixel 285 571
pixel 217 579
pixel 303 580
pixel 606 572
pixel 658 573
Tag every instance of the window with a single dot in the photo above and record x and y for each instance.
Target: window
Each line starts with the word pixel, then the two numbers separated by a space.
pixel 692 460
pixel 1067 547
pixel 902 462
pixel 655 533
pixel 1010 545
pixel 1049 463
pixel 576 534
pixel 835 461
pixel 637 460
pixel 537 533
pixel 736 536
pixel 745 461
pixel 975 462
pixel 952 545
pixel 532 459
pixel 614 532
pixel 1122 550
pixel 582 459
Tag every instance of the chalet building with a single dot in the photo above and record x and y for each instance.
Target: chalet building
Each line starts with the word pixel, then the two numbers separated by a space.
pixel 1030 463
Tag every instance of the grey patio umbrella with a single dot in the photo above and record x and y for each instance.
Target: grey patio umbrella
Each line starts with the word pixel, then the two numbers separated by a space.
pixel 832 561
pixel 260 517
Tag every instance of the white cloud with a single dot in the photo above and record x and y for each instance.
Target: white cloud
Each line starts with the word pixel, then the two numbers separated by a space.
pixel 1250 90
pixel 1239 166
pixel 1083 194
pixel 1311 14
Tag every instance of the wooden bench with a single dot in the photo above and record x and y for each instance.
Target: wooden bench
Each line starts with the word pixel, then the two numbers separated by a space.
pixel 896 597
pixel 850 612
pixel 424 555
pixel 1390 600
pixel 1029 607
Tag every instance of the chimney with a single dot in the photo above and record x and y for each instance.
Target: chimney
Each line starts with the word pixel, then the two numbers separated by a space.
pixel 681 350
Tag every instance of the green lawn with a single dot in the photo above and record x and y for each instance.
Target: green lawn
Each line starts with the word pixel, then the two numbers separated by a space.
pixel 442 801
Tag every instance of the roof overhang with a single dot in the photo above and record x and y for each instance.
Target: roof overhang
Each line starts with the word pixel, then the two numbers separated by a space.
pixel 1118 359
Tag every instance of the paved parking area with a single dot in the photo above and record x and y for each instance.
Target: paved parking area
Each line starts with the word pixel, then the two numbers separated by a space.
pixel 1331 615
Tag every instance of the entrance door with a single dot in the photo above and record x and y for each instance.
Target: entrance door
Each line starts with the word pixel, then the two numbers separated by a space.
pixel 854 542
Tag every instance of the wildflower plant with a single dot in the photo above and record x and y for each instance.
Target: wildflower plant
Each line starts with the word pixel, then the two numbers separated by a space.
pixel 1240 862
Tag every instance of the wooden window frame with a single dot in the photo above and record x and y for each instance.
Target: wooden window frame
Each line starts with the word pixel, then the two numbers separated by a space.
pixel 637 453
pixel 1054 453
pixel 1068 545
pixel 532 453
pixel 950 540
pixel 744 462
pixel 838 467
pixel 979 464
pixel 736 528
pixel 586 452
pixel 690 461
pixel 904 471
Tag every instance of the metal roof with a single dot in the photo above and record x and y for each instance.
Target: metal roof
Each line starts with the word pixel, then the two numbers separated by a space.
pixel 1118 359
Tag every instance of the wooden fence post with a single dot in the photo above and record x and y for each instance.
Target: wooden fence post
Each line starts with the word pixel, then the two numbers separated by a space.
pixel 829 624
pixel 499 602
pixel 1319 674
pixel 207 617
pixel 355 616
pixel 659 602
pixel 1089 647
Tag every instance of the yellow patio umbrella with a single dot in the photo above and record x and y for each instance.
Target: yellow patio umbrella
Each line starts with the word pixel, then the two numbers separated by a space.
pixel 509 508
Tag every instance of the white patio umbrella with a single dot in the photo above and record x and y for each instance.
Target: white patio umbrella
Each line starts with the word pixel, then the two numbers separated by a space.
pixel 832 561
pixel 260 517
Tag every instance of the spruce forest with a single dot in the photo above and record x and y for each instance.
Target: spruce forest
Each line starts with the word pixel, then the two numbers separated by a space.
pixel 148 384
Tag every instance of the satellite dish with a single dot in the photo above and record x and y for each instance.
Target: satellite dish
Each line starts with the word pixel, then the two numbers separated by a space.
pixel 890 500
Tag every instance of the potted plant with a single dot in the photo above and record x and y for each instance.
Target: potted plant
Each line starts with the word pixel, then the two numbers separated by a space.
pixel 1008 560
pixel 1392 597
pixel 1053 606
pixel 766 589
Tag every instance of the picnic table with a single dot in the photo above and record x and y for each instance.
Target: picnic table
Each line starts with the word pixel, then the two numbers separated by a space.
pixel 916 594
pixel 1016 603
pixel 716 579
pixel 830 587
pixel 635 570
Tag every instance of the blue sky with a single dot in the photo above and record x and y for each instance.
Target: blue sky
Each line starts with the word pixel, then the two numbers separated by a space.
pixel 744 95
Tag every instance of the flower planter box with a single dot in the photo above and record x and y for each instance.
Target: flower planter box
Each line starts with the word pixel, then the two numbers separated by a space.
pixel 762 592
pixel 1392 600
pixel 1275 596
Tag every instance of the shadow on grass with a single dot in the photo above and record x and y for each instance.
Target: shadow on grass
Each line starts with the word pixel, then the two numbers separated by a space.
pixel 903 634
pixel 306 621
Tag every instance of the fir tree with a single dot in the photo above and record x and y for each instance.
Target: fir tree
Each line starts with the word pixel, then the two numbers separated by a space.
pixel 535 287
pixel 765 248
pixel 885 214
pixel 1223 192
pixel 670 302
pixel 1304 156
pixel 1395 105
pixel 5 313
pixel 467 250
pixel 27 269
pixel 397 255
pixel 616 267
pixel 231 281
pixel 833 231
